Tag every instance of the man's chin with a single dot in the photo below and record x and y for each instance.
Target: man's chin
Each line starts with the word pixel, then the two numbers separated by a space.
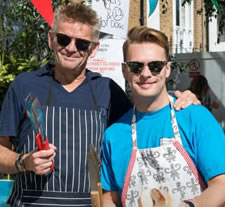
pixel 70 59
pixel 70 65
pixel 147 93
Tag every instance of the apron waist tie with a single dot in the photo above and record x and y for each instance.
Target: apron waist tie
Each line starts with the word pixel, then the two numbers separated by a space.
pixel 52 198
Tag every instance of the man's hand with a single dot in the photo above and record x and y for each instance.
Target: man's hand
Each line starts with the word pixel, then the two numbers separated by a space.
pixel 153 197
pixel 184 99
pixel 111 199
pixel 183 204
pixel 40 161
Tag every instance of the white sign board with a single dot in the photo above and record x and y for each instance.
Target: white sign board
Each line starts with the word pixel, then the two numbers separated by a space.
pixel 113 16
pixel 108 60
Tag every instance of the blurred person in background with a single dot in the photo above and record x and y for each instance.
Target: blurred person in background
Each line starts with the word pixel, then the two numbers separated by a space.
pixel 200 87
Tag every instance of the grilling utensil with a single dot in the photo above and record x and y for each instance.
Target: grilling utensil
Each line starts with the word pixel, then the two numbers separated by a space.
pixel 35 115
pixel 93 167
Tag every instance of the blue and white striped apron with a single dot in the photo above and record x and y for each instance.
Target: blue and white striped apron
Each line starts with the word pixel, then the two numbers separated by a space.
pixel 71 130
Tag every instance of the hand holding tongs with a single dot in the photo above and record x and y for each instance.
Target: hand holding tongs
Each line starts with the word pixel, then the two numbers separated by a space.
pixel 36 116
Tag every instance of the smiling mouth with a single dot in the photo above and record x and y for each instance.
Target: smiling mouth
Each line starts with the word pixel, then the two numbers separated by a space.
pixel 146 84
pixel 70 58
pixel 69 55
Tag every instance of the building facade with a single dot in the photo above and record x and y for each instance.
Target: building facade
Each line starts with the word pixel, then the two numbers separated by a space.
pixel 185 27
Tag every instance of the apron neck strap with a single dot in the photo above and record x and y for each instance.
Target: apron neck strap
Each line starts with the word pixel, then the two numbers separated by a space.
pixel 134 129
pixel 92 93
pixel 174 122
pixel 49 98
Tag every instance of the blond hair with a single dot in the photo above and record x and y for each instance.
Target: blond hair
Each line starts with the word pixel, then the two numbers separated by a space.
pixel 77 12
pixel 142 34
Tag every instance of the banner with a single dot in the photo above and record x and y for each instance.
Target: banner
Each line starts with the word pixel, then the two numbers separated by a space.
pixel 216 4
pixel 108 60
pixel 153 19
pixel 113 16
pixel 152 6
pixel 44 7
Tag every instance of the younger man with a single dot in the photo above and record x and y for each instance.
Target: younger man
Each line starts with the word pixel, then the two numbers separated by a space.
pixel 154 146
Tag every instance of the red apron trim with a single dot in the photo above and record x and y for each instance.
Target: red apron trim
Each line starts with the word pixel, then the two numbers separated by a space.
pixel 128 175
pixel 190 164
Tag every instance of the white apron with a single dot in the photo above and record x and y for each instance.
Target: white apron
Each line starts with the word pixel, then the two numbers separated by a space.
pixel 167 167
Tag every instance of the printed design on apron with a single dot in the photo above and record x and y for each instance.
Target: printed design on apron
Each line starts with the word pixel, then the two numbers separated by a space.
pixel 167 167
pixel 71 130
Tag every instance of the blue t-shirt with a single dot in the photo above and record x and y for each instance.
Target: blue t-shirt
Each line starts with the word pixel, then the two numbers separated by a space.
pixel 202 137
pixel 13 119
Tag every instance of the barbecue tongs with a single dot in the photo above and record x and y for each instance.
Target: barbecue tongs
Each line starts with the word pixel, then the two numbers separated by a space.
pixel 35 115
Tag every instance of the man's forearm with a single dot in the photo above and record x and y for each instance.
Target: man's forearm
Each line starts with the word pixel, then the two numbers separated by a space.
pixel 7 156
pixel 107 203
pixel 7 161
pixel 111 199
pixel 213 196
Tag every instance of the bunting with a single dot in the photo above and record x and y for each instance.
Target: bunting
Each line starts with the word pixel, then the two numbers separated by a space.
pixel 152 5
pixel 44 7
pixel 216 4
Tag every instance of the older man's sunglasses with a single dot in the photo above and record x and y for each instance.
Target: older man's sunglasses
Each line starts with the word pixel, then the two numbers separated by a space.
pixel 64 40
pixel 155 66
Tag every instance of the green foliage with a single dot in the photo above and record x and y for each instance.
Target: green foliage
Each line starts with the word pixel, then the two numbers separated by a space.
pixel 23 40
pixel 12 67
pixel 24 33
pixel 6 177
pixel 211 11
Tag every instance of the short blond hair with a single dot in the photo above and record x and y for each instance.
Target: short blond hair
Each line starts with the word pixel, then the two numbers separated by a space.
pixel 142 34
pixel 77 12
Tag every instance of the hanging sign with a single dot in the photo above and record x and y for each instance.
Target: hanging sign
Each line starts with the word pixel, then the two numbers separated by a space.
pixel 113 16
pixel 194 67
pixel 108 60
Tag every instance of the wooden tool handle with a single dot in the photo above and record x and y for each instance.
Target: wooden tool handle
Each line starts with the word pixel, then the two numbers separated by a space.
pixel 100 194
pixel 96 197
pixel 95 200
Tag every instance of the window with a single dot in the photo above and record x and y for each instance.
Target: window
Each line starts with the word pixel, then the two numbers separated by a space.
pixel 183 27
pixel 221 35
pixel 178 12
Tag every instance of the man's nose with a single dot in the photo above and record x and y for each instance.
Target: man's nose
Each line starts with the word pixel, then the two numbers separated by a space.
pixel 72 45
pixel 145 71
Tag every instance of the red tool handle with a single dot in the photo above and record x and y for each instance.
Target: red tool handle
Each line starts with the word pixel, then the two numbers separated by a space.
pixel 43 146
pixel 39 142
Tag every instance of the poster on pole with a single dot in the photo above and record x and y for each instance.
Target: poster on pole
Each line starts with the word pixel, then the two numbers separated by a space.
pixel 108 60
pixel 194 67
pixel 113 16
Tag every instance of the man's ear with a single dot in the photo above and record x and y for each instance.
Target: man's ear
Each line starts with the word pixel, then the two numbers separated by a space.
pixel 168 69
pixel 94 49
pixel 50 39
pixel 124 71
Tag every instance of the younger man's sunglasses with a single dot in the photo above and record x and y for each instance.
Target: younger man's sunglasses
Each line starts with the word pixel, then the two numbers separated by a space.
pixel 64 40
pixel 155 66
